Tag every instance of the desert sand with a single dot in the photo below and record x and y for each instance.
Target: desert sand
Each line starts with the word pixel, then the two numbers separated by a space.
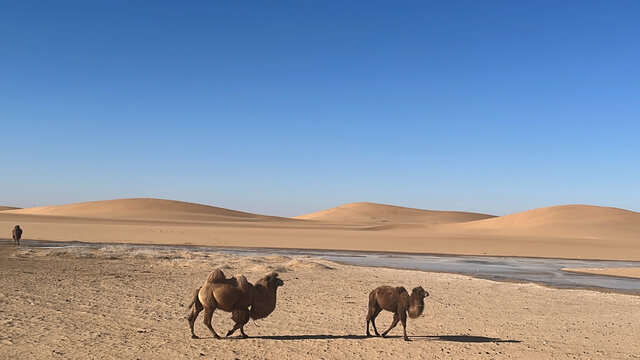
pixel 117 301
pixel 372 213
pixel 122 302
pixel 572 231
pixel 630 272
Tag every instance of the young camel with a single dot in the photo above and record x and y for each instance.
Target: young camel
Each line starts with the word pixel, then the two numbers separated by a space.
pixel 399 302
pixel 233 295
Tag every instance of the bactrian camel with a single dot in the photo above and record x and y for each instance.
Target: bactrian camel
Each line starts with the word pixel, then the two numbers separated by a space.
pixel 16 234
pixel 235 295
pixel 399 302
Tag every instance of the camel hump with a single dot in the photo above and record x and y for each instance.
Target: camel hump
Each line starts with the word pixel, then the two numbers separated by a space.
pixel 242 282
pixel 216 276
pixel 401 290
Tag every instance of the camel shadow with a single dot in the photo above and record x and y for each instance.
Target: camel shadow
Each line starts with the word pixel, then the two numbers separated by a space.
pixel 471 339
pixel 452 338
pixel 459 338
pixel 310 337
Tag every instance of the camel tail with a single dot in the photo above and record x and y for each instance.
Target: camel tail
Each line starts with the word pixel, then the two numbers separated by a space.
pixel 372 299
pixel 195 299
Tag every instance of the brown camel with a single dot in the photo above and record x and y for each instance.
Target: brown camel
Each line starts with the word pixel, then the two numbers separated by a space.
pixel 234 295
pixel 264 303
pixel 399 302
pixel 16 234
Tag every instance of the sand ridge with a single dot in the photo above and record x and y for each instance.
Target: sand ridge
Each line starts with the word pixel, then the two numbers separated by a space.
pixel 586 221
pixel 143 208
pixel 563 214
pixel 381 213
pixel 573 231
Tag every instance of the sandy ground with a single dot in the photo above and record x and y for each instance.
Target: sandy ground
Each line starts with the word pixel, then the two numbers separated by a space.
pixel 119 302
pixel 629 272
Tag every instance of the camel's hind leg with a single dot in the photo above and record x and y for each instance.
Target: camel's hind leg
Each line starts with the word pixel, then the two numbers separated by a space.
pixel 371 316
pixel 396 318
pixel 193 315
pixel 241 318
pixel 208 314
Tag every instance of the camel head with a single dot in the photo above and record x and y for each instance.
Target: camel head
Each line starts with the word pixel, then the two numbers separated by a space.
pixel 419 292
pixel 272 280
pixel 17 227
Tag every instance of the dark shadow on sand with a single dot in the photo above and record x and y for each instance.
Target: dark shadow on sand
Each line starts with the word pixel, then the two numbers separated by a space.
pixel 452 338
pixel 458 338
pixel 471 339
pixel 311 337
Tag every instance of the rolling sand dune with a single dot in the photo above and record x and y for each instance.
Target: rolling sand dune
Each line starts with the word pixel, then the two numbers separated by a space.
pixel 571 221
pixel 142 208
pixel 574 231
pixel 380 213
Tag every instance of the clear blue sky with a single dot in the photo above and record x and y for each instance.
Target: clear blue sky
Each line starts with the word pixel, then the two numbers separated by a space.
pixel 287 107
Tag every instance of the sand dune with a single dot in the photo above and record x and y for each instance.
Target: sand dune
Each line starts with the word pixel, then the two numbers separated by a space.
pixel 577 221
pixel 140 208
pixel 380 213
pixel 3 208
pixel 573 231
pixel 563 214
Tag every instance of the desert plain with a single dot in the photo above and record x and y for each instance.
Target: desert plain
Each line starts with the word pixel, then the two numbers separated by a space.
pixel 119 301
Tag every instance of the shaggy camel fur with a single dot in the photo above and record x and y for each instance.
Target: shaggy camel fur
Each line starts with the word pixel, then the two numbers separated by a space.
pixel 264 303
pixel 233 295
pixel 398 301
pixel 16 234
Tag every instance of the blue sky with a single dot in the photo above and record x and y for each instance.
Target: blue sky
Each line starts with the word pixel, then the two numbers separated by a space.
pixel 288 107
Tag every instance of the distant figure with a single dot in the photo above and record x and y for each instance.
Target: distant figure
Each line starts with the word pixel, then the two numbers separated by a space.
pixel 17 234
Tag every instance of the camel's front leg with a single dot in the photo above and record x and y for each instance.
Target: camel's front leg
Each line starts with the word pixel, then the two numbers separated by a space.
pixel 241 317
pixel 396 318
pixel 403 319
